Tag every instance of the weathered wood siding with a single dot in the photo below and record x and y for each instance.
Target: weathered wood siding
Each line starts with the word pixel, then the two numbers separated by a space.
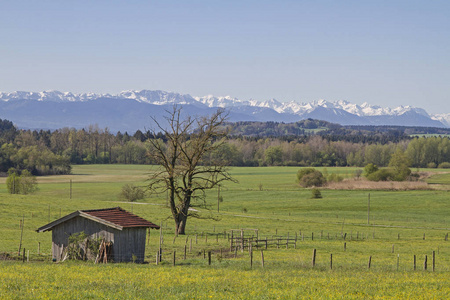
pixel 127 242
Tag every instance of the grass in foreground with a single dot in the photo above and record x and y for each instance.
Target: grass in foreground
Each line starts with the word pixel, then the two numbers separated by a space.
pixel 265 198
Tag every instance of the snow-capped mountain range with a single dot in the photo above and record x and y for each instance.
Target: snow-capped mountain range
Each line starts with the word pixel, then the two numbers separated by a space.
pixel 54 109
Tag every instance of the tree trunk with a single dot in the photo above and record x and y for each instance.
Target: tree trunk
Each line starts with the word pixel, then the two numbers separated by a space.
pixel 181 224
pixel 182 216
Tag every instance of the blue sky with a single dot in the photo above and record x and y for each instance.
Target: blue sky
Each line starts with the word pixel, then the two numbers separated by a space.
pixel 387 53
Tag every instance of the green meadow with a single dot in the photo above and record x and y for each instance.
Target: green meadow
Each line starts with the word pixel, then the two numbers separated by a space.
pixel 398 226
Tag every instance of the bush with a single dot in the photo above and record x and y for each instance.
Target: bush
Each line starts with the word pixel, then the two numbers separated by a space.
pixel 23 184
pixel 444 165
pixel 303 172
pixel 316 194
pixel 335 178
pixel 399 164
pixel 28 183
pixel 370 169
pixel 312 179
pixel 431 165
pixel 132 193
pixel 381 175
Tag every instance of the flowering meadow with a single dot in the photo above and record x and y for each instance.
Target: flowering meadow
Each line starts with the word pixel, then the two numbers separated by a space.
pixel 340 228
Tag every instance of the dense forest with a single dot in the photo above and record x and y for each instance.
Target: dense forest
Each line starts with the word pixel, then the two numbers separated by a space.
pixel 305 143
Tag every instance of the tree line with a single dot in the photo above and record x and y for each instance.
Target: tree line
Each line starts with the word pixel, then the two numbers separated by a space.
pixel 44 152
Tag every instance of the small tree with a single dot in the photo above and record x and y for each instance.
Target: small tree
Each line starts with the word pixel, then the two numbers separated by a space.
pixel 316 194
pixel 28 183
pixel 369 169
pixel 310 177
pixel 131 193
pixel 399 164
pixel 358 173
pixel 13 182
pixel 23 184
pixel 304 171
pixel 273 155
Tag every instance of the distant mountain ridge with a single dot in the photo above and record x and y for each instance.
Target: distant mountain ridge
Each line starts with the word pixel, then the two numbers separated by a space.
pixel 54 109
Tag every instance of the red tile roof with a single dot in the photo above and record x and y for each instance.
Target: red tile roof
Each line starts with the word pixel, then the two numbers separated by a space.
pixel 120 217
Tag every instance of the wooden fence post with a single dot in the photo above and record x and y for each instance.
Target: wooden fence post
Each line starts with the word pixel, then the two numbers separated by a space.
pixel 398 261
pixel 185 246
pixel 209 258
pixel 425 263
pixel 262 259
pixel 251 259
pixel 345 246
pixel 22 223
pixel 434 260
pixel 370 261
pixel 331 261
pixel 174 257
pixel 314 258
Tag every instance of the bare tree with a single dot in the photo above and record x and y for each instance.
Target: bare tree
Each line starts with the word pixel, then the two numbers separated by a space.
pixel 183 170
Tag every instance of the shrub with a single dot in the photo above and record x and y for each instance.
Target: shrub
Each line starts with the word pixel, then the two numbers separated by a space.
pixel 303 172
pixel 28 183
pixel 431 165
pixel 444 165
pixel 23 184
pixel 381 175
pixel 82 246
pixel 369 169
pixel 13 182
pixel 335 178
pixel 316 194
pixel 312 179
pixel 132 193
pixel 399 164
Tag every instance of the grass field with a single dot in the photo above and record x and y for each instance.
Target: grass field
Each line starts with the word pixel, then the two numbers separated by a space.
pixel 402 224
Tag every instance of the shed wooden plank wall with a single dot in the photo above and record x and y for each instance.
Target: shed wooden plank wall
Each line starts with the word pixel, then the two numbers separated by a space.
pixel 130 241
pixel 127 242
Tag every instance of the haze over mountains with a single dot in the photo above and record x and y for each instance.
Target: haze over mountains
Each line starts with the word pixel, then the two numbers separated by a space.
pixel 131 110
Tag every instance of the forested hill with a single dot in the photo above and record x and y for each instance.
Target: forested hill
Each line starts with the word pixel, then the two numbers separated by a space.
pixel 331 131
pixel 305 143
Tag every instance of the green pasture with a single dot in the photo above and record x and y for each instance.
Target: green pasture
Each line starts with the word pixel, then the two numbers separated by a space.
pixel 401 224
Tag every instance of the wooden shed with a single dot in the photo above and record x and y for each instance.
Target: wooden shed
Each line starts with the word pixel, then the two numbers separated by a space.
pixel 122 230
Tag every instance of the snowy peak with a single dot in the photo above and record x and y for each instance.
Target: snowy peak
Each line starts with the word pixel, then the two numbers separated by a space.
pixel 443 118
pixel 157 97
pixel 341 111
pixel 227 101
